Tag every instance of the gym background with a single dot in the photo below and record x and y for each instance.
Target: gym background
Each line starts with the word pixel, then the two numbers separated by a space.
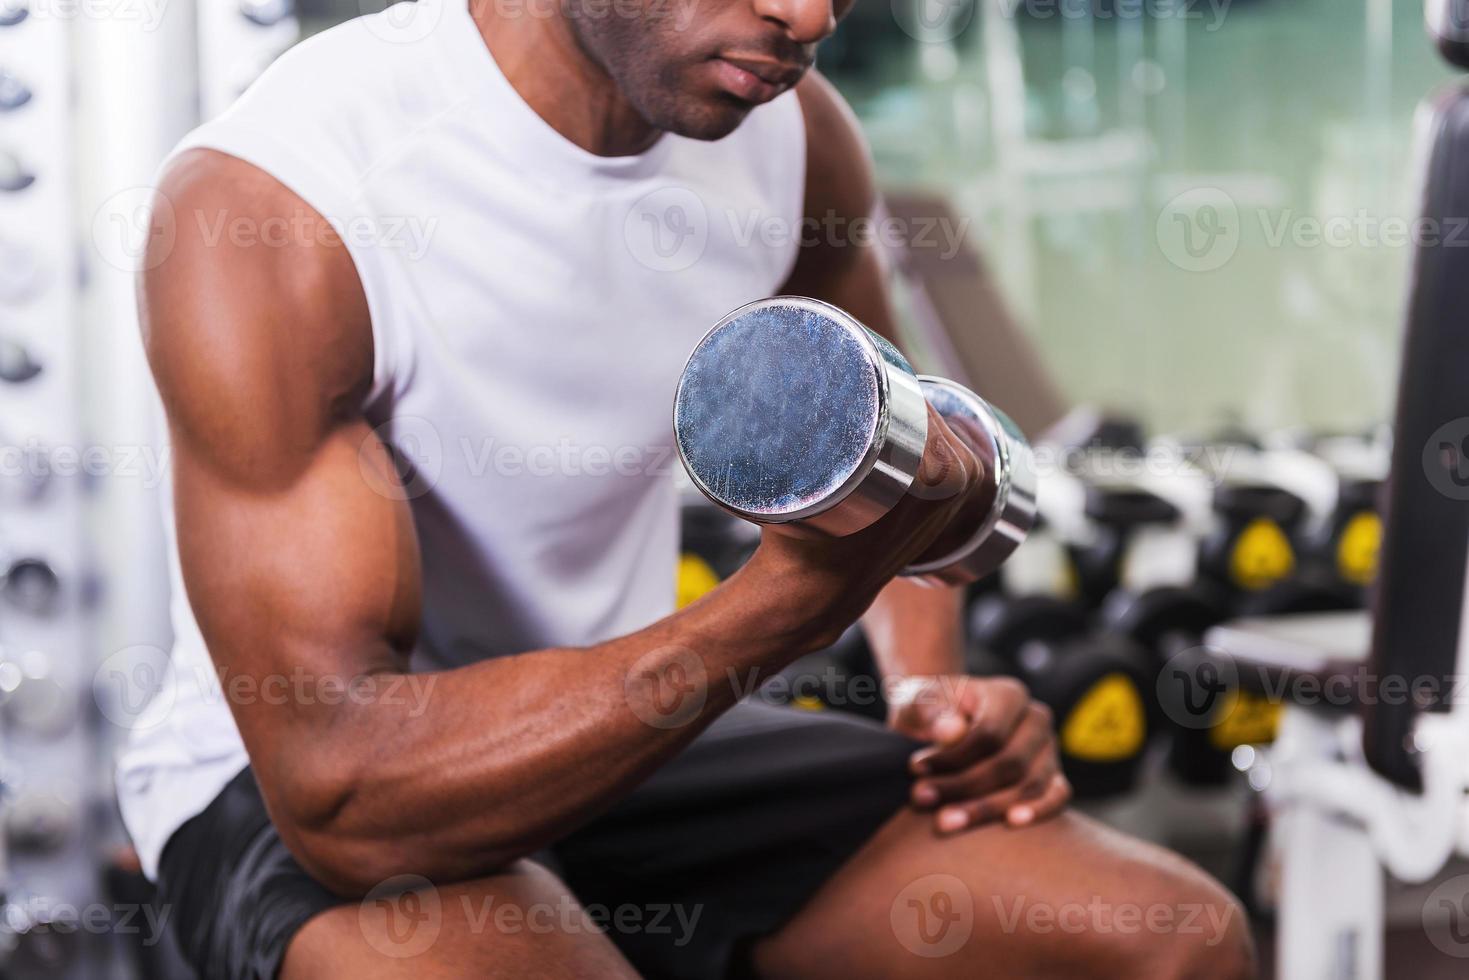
pixel 1173 238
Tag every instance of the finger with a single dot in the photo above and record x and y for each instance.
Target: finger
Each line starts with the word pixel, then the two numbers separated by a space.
pixel 931 709
pixel 947 468
pixel 1002 770
pixel 955 817
pixel 1001 708
pixel 1053 800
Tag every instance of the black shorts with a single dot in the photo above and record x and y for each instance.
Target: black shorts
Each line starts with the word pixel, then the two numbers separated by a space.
pixel 742 826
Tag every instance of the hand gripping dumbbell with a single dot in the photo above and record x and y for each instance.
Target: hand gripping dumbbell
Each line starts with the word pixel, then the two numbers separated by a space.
pixel 791 413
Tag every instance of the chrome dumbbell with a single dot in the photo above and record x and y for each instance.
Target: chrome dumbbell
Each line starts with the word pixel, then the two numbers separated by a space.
pixel 14 175
pixel 792 413
pixel 31 585
pixel 13 92
pixel 32 701
pixel 39 823
pixel 267 13
pixel 17 364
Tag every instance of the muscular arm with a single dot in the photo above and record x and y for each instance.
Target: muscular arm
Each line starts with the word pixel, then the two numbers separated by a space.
pixel 981 731
pixel 301 563
pixel 912 628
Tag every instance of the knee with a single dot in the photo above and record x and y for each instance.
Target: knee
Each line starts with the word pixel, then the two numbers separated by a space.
pixel 1181 924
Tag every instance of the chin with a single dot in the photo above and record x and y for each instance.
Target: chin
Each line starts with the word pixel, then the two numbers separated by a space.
pixel 711 121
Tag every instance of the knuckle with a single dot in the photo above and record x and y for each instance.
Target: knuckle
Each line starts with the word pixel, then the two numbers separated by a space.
pixel 1010 768
pixel 987 734
pixel 1012 688
pixel 1042 714
pixel 1035 786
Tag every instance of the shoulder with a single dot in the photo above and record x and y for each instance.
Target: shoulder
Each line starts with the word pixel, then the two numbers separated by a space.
pixel 254 319
pixel 839 173
pixel 340 101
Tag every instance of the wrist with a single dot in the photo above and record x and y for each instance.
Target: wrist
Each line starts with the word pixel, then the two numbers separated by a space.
pixel 804 605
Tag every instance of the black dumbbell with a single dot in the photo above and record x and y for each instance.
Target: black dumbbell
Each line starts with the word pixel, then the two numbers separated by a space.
pixel 1255 545
pixel 843 677
pixel 1332 565
pixel 1347 547
pixel 1095 683
pixel 1170 623
pixel 713 546
pixel 1117 512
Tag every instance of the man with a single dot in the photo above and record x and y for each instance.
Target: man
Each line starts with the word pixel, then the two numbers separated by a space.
pixel 361 434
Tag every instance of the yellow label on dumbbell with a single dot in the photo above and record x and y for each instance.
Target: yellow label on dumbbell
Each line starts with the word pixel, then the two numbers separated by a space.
pixel 1356 550
pixel 1245 719
pixel 1261 556
pixel 695 579
pixel 808 702
pixel 1107 724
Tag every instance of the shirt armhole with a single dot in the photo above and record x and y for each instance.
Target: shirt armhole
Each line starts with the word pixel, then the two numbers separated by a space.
pixel 326 195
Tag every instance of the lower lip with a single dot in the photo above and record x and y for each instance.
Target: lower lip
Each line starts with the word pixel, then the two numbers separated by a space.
pixel 744 85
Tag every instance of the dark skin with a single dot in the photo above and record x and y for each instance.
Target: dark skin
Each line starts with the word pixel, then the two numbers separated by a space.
pixel 276 468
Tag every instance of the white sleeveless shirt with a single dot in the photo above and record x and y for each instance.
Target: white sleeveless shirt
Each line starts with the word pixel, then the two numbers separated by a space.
pixel 532 305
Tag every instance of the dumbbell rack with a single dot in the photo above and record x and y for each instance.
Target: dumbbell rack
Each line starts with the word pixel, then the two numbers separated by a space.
pixel 238 39
pixel 48 755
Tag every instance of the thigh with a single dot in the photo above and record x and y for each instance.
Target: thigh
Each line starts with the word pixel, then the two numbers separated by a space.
pixel 728 839
pixel 1067 897
pixel 243 908
pixel 522 923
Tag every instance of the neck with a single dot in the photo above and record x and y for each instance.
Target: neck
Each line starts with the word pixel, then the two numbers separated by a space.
pixel 566 87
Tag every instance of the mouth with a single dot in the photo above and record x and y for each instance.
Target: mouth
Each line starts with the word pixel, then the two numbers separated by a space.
pixel 757 80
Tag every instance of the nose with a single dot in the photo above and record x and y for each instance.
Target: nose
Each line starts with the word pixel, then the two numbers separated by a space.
pixel 804 21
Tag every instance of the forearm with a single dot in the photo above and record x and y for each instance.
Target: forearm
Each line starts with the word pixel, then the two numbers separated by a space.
pixel 507 755
pixel 916 629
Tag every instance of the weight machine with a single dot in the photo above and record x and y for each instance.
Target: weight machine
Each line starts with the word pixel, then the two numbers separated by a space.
pixel 1369 771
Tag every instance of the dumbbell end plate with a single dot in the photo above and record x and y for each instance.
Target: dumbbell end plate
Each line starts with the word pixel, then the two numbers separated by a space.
pixel 1008 462
pixel 789 410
